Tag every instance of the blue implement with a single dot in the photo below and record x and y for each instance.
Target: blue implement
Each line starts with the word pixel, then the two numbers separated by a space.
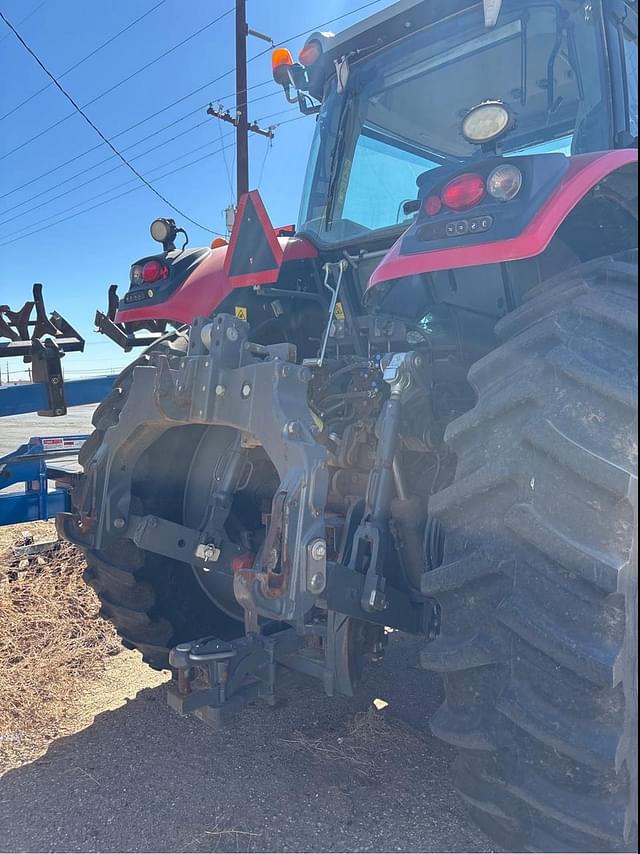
pixel 34 397
pixel 28 464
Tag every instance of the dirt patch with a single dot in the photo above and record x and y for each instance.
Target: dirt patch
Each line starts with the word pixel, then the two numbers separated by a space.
pixel 54 646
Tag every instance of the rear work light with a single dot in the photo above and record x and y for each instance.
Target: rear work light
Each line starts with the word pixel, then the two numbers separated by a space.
pixel 153 271
pixel 504 182
pixel 464 192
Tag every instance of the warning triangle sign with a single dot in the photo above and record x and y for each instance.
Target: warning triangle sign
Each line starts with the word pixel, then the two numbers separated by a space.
pixel 254 256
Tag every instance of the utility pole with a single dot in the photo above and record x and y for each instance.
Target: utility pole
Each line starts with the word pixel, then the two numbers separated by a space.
pixel 242 122
pixel 241 119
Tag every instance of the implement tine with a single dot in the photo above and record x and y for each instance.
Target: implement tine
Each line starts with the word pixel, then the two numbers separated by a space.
pixel 112 302
pixel 43 326
pixel 20 320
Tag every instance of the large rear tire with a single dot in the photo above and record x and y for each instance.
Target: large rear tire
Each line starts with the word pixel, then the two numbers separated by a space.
pixel 153 601
pixel 538 588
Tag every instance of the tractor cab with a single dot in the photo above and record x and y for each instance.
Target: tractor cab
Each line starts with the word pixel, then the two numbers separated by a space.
pixel 436 112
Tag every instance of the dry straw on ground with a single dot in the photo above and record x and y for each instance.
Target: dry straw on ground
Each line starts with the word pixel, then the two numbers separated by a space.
pixel 362 742
pixel 51 642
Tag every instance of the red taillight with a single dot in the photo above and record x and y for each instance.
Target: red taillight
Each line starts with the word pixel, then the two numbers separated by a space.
pixel 463 192
pixel 432 205
pixel 310 53
pixel 154 270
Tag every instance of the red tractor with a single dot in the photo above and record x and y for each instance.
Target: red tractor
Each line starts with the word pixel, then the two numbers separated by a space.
pixel 417 411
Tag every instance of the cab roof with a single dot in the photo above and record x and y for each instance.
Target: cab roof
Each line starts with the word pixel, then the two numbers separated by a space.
pixel 375 32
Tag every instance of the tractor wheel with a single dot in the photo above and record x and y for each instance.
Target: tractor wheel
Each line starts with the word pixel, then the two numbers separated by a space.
pixel 538 587
pixel 153 601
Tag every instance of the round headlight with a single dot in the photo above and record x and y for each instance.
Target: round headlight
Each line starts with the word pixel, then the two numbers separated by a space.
pixel 504 182
pixel 161 230
pixel 486 122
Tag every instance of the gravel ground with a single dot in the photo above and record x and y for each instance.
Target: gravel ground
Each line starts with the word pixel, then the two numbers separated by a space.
pixel 17 429
pixel 314 774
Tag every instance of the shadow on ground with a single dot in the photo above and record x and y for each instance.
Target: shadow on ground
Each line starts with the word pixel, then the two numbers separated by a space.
pixel 312 775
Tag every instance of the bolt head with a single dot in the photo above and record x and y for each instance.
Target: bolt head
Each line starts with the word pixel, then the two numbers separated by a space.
pixel 119 523
pixel 220 390
pixel 245 391
pixel 232 333
pixel 319 550
pixel 316 582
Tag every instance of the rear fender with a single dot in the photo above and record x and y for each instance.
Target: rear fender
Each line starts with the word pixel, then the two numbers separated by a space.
pixel 605 220
pixel 254 256
pixel 586 175
pixel 206 288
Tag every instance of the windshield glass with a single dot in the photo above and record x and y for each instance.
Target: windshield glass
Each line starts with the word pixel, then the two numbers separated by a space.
pixel 402 108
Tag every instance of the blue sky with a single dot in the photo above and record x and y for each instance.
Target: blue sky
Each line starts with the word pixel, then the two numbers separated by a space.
pixel 77 259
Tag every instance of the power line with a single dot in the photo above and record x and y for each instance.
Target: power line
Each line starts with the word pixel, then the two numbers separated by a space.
pixel 94 178
pixel 111 189
pixel 226 166
pixel 99 132
pixel 135 125
pixel 119 166
pixel 188 95
pixel 269 144
pixel 89 151
pixel 115 85
pixel 84 58
pixel 25 19
pixel 154 133
pixel 154 169
pixel 132 190
pixel 110 157
pixel 142 121
pixel 115 198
